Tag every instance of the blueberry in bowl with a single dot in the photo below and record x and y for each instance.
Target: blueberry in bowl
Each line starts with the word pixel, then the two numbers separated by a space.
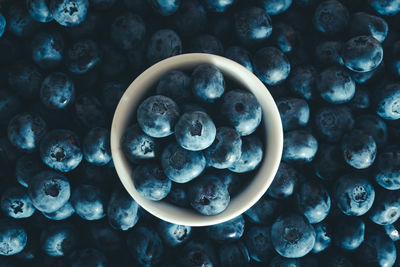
pixel 200 124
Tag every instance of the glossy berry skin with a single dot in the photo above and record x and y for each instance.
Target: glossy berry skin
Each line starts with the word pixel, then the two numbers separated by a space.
pixel 240 55
pixel 331 17
pixel 181 165
pixel 258 242
pixel 151 182
pixel 225 150
pixel 163 44
pixel 195 131
pixel 83 56
pixel 335 85
pixel 354 195
pixel 329 163
pixel 175 84
pixel 26 167
pixel 359 149
pixel 294 112
pixel 299 147
pixel 127 31
pixel 13 237
pixel 208 195
pixel 275 7
pixel 198 253
pixel 302 81
pixel 329 53
pixel 387 172
pixel 377 250
pixel 207 83
pixel 49 191
pixel 323 237
pixel 231 180
pixel 218 6
pixel 313 201
pixel 62 213
pixel 292 235
pixel 271 66
pixel 374 126
pixel 235 254
pixel 252 25
pixel 89 202
pixel 57 91
pixel 387 102
pixel 96 146
pixel 390 7
pixel 349 232
pixel 264 211
pixel 26 130
pixel 157 115
pixel 386 208
pixel 59 239
pixel 190 19
pixel 145 245
pixel 285 182
pixel 60 150
pixel 25 78
pixel 87 256
pixel 122 210
pixel 362 53
pixel 252 155
pixel 19 21
pixel 173 234
pixel 69 13
pixel 165 8
pixel 228 231
pixel 139 146
pixel 16 203
pixel 365 24
pixel 242 111
pixel 47 49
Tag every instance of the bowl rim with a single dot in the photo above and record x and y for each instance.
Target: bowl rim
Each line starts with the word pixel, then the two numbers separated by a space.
pixel 273 142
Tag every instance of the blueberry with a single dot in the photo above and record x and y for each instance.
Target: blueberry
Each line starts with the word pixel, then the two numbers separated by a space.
pixel 178 195
pixel 285 182
pixel 195 131
pixel 242 111
pixel 292 235
pixel 57 91
pixel 122 210
pixel 26 167
pixel 105 238
pixel 234 254
pixel 181 165
pixel 275 7
pixel 329 53
pixel 208 195
pixel 390 7
pixel 218 6
pixel 206 43
pixel 25 131
pixel 258 242
pixel 361 99
pixel 252 155
pixel 190 19
pixel 60 150
pixel 69 13
pixel 165 8
pixel 89 202
pixel 16 203
pixel 47 49
pixel 365 24
pixel 373 126
pixel 151 182
pixel 87 257
pixel 49 191
pixel 13 237
pixel 331 17
pixel 359 149
pixel 323 237
pixel 285 37
pixel 377 250
pixel 265 211
pixel 208 83
pixel 173 234
pixel 392 231
pixel 10 105
pixel 89 113
pixel 138 145
pixel 3 24
pixel 19 22
pixel 96 146
pixel 231 180
pixel 329 163
pixel 240 55
pixel 271 66
pixel 145 246
pixel 62 213
pixel 302 81
pixel 299 147
pixel 354 194
pixel 387 172
pixel 332 122
pixel 102 4
pixel 175 85
pixel 386 208
pixel 294 113
pixel 228 231
pixel 128 31
pixel 198 253
pixel 83 56
pixel 252 25
pixel 335 85
pixel 349 232
pixel 163 44
pixel 394 58
pixel 59 239
pixel 387 102
pixel 25 78
pixel 111 94
pixel 313 201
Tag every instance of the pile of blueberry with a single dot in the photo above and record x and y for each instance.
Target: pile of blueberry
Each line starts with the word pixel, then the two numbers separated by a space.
pixel 333 67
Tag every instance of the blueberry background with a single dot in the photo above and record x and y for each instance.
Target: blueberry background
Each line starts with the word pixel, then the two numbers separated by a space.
pixel 333 67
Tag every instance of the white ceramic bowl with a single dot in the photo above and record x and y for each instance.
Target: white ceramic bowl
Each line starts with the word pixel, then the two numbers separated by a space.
pixel 273 141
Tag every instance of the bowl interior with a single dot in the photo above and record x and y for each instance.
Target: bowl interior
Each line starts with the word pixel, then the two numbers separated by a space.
pixel 273 141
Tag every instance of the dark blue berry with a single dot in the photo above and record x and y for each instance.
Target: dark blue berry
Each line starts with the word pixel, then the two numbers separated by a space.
pixel 26 167
pixel 329 53
pixel 3 24
pixel 329 163
pixel 240 55
pixel 373 126
pixel 16 203
pixel 83 56
pixel 386 208
pixel 264 211
pixel 387 173
pixel 323 237
pixel 178 195
pixel 252 25
pixel 359 149
pixel 190 19
pixel 275 7
pixel 105 238
pixel 294 113
pixel 198 253
pixel 39 10
pixel 163 44
pixel 207 83
pixel 13 237
pixel 175 85
pixel 271 66
pixel 218 5
pixel 285 182
pixel 387 101
pixel 205 43
pixel 62 213
pixel 299 147
pixel 89 113
pixel 331 17
pixel 127 31
pixel 302 81
pixel 57 91
pixel 47 49
pixel 228 231
pixel 111 94
pixel 59 239
pixel 173 234
pixel 390 7
pixel 122 210
pixel 165 8
pixel 361 99
pixel 394 58
pixel 252 155
pixel 25 78
pixel 377 250
pixel 235 254
pixel 69 13
pixel 258 242
pixel 151 182
pixel 231 180
pixel 89 202
pixel 20 22
pixel 365 24
pixel 348 232
pixel 96 146
pixel 285 37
